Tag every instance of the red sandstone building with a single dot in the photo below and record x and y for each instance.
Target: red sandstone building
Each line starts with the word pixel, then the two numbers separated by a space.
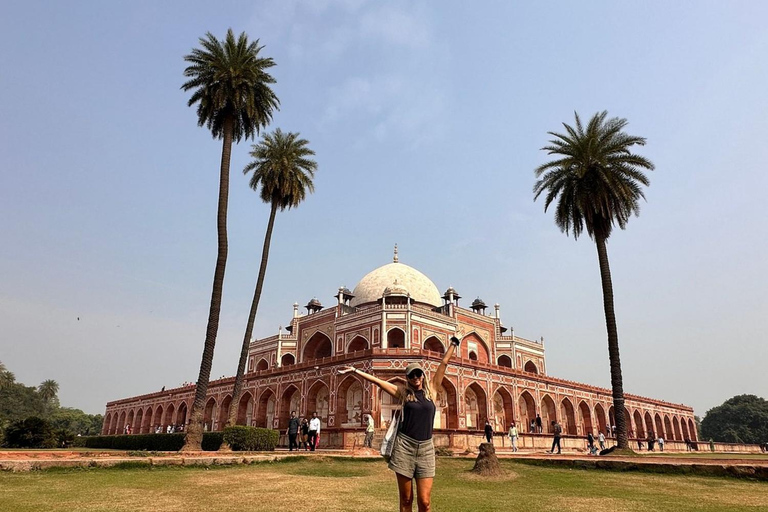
pixel 394 316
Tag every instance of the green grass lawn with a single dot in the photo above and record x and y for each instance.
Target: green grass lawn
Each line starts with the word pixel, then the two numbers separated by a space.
pixel 333 484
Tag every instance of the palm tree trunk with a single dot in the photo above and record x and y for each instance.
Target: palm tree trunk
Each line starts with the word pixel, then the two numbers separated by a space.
pixel 237 391
pixel 613 344
pixel 194 430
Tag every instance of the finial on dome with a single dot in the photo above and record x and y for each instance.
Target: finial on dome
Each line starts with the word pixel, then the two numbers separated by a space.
pixel 395 259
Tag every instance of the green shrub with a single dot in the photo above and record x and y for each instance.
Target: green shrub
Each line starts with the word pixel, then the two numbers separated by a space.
pixel 212 441
pixel 251 439
pixel 150 442
pixel 32 432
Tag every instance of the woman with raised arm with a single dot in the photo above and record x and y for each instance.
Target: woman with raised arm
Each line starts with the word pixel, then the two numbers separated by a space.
pixel 413 454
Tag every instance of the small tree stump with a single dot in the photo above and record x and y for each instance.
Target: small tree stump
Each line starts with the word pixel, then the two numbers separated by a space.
pixel 487 464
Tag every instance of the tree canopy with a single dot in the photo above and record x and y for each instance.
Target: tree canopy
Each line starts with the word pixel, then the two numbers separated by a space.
pixel 741 419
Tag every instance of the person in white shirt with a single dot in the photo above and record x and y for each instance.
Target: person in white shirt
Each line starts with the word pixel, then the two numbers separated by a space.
pixel 601 440
pixel 513 436
pixel 368 432
pixel 314 431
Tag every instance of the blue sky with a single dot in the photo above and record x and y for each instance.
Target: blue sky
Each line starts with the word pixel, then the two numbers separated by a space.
pixel 427 119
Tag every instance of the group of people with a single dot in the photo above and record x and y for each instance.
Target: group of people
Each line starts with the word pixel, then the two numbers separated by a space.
pixel 308 429
pixel 169 429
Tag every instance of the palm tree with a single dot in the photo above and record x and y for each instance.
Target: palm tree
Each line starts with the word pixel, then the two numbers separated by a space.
pixel 596 180
pixel 234 100
pixel 7 378
pixel 48 389
pixel 282 170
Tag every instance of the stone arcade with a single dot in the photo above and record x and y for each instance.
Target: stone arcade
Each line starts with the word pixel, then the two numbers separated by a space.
pixel 396 315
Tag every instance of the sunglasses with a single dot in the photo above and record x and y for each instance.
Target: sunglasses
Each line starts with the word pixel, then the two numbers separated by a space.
pixel 415 374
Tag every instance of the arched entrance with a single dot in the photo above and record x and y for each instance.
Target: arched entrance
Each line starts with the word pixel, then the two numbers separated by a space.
pixel 568 418
pixel 585 418
pixel 676 428
pixel 181 414
pixel 209 414
pixel 265 411
pixel 611 422
pixel 600 417
pixel 505 361
pixel 138 421
pixel 318 401
pixel 503 410
pixel 659 425
pixel 317 347
pixel 245 409
pixel 475 407
pixel 169 416
pixel 262 365
pixel 668 434
pixel 628 421
pixel 357 344
pixel 692 430
pixel 121 423
pixel 530 367
pixel 649 428
pixel 129 421
pixel 686 434
pixel 395 338
pixel 107 424
pixel 157 419
pixel 639 430
pixel 526 408
pixel 548 413
pixel 434 345
pixel 349 402
pixel 287 360
pixel 146 422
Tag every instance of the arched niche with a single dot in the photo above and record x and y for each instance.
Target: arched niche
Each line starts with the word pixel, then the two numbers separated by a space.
pixel 659 425
pixel 472 342
pixel 503 410
pixel 157 419
pixel 129 420
pixel 475 406
pixel 568 417
pixel 181 414
pixel 649 428
pixel 433 344
pixel 287 360
pixel 265 409
pixel 585 418
pixel 668 434
pixel 446 414
pixel 290 401
pixel 349 402
pixel 317 347
pixel 318 401
pixel 530 367
pixel 389 405
pixel 548 413
pixel 505 361
pixel 600 417
pixel 223 413
pixel 245 409
pixel 209 414
pixel 526 407
pixel 395 338
pixel 357 344
pixel 639 429
pixel 676 429
pixel 263 364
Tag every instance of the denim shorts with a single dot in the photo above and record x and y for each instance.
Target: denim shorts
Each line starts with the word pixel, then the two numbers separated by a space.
pixel 412 458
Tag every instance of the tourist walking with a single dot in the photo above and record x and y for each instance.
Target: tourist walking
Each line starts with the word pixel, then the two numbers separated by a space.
pixel 590 441
pixel 293 431
pixel 661 444
pixel 314 431
pixel 413 452
pixel 488 432
pixel 539 428
pixel 513 436
pixel 557 429
pixel 368 443
pixel 601 440
pixel 533 426
pixel 305 433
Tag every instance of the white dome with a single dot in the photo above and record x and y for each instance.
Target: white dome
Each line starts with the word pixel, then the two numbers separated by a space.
pixel 371 287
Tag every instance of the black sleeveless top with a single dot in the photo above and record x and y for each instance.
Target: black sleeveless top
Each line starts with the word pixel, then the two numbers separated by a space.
pixel 418 418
